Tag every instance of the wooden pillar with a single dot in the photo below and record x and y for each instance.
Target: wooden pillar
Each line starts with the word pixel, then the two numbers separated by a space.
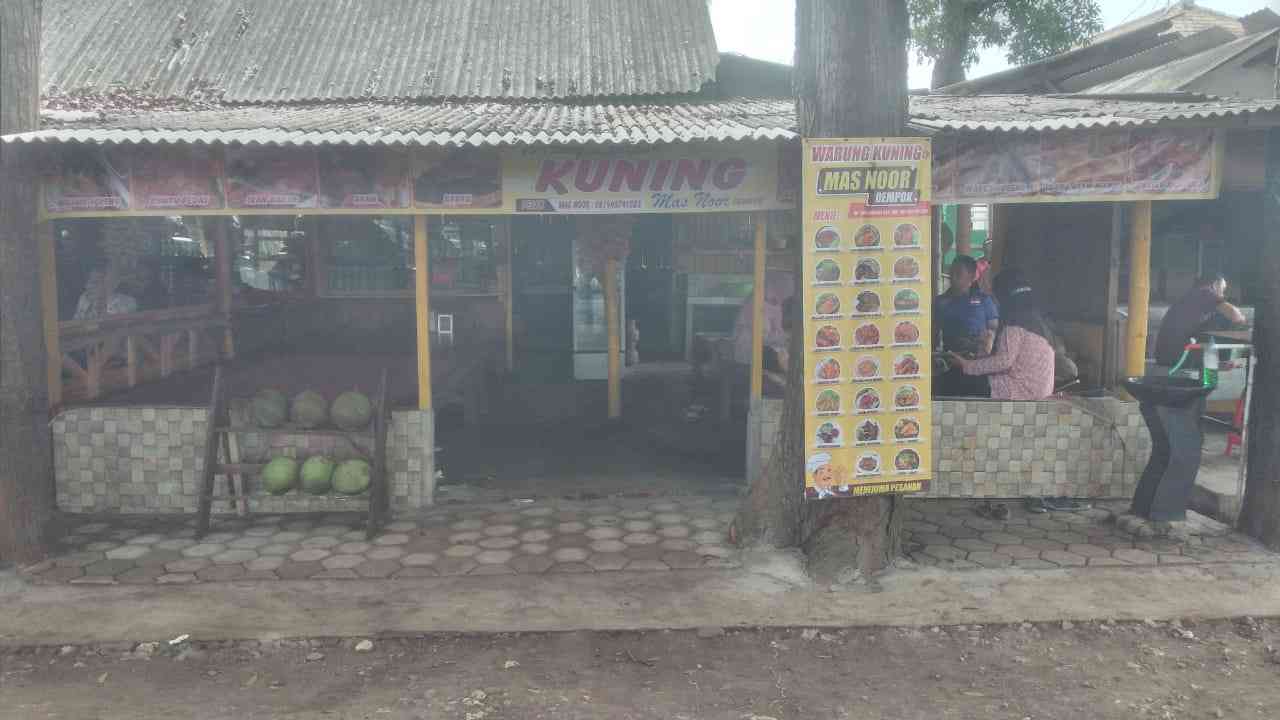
pixel 1112 345
pixel 422 296
pixel 49 309
pixel 757 313
pixel 508 302
pixel 1139 288
pixel 615 336
pixel 217 228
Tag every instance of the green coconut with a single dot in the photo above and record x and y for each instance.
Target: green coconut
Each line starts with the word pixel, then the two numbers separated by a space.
pixel 351 410
pixel 317 475
pixel 270 408
pixel 351 477
pixel 309 409
pixel 280 475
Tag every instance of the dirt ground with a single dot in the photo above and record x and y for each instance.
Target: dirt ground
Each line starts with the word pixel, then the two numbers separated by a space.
pixel 1228 669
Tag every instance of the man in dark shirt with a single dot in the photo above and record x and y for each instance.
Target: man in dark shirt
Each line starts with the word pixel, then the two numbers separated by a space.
pixel 1189 315
pixel 964 322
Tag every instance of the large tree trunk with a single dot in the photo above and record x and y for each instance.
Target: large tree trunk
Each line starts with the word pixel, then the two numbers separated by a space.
pixel 1260 513
pixel 26 461
pixel 851 81
pixel 948 67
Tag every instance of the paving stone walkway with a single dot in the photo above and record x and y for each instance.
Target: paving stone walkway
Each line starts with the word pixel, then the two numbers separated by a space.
pixel 568 537
pixel 950 534
pixel 580 537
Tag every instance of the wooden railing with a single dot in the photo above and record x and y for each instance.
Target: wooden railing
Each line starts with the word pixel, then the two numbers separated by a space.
pixel 144 345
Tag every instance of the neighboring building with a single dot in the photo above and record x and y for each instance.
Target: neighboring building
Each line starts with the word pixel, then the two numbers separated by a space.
pixel 1182 48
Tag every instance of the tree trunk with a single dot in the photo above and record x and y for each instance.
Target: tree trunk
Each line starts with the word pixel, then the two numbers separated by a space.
pixel 1260 512
pixel 948 67
pixel 851 81
pixel 26 459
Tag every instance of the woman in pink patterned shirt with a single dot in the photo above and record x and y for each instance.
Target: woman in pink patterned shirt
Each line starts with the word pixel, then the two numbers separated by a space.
pixel 1021 364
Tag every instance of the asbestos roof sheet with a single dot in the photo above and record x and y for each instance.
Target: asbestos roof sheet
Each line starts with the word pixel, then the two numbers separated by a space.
pixel 1181 73
pixel 551 123
pixel 264 51
pixel 1046 113
pixel 449 124
pixel 1187 18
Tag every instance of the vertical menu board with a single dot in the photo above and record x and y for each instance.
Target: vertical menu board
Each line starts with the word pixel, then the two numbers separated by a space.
pixel 867 301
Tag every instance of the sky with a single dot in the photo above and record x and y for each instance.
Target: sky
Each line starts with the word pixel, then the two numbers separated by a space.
pixel 765 29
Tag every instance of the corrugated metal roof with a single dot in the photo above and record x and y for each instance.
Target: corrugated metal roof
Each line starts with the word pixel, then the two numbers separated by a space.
pixel 1181 73
pixel 452 123
pixel 1040 113
pixel 551 123
pixel 250 51
pixel 1187 18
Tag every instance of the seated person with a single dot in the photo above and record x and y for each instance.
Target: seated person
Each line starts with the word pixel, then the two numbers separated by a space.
pixel 1191 315
pixel 1021 366
pixel 965 319
pixel 778 289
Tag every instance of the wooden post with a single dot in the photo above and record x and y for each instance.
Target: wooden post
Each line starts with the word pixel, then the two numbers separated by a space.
pixel 131 360
pixel 222 274
pixel 1139 288
pixel 421 278
pixel 49 310
pixel 615 337
pixel 757 314
pixel 509 301
pixel 1111 345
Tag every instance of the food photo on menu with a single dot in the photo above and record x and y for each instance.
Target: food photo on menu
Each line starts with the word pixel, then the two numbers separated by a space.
pixel 827 402
pixel 827 239
pixel 867 335
pixel 867 432
pixel 906 235
pixel 827 370
pixel 827 338
pixel 866 271
pixel 827 272
pixel 867 238
pixel 866 367
pixel 906 429
pixel 826 305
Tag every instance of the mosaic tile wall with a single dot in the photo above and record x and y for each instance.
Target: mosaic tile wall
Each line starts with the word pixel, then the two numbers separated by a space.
pixel 150 460
pixel 1080 447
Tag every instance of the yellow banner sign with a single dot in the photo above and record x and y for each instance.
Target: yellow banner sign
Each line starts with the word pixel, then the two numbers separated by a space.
pixel 695 178
pixel 867 300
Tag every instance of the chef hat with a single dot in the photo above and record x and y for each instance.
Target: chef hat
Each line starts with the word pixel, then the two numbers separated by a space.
pixel 816 461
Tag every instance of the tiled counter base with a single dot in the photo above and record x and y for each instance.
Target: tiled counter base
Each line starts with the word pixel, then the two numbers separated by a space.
pixel 675 534
pixel 950 535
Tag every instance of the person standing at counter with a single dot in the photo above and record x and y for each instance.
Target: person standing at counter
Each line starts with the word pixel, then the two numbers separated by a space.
pixel 1191 314
pixel 1021 365
pixel 964 322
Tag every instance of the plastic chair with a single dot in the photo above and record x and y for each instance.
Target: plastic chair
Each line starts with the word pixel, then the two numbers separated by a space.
pixel 1237 421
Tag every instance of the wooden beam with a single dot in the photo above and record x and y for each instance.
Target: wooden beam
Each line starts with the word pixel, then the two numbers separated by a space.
pixel 1111 324
pixel 1139 288
pixel 131 360
pixel 422 305
pixel 757 311
pixel 217 228
pixel 49 309
pixel 611 306
pixel 509 296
